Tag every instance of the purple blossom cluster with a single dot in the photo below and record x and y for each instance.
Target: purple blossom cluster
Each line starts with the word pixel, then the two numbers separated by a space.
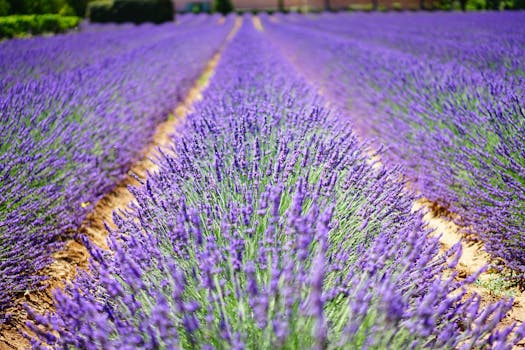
pixel 445 93
pixel 269 229
pixel 75 112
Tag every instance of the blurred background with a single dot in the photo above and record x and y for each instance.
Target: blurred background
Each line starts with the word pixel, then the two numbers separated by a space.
pixel 19 18
pixel 81 7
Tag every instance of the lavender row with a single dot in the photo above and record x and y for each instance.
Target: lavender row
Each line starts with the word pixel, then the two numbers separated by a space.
pixel 269 229
pixel 456 127
pixel 24 60
pixel 68 137
pixel 466 38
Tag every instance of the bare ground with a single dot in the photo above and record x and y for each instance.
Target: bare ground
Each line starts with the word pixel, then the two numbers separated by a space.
pixel 75 254
pixel 257 23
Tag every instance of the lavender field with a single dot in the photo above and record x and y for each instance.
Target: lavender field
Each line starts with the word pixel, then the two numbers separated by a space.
pixel 281 213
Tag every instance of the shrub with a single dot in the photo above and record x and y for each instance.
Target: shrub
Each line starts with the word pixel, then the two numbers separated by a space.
pixel 79 6
pixel 140 11
pixel 4 7
pixel 222 6
pixel 136 11
pixel 36 6
pixel 396 6
pixel 19 25
pixel 99 11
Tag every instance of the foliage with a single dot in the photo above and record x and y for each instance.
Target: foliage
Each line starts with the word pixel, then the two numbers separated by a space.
pixel 100 11
pixel 4 7
pixel 19 25
pixel 222 6
pixel 139 11
pixel 38 6
pixel 476 5
pixel 79 6
pixel 136 11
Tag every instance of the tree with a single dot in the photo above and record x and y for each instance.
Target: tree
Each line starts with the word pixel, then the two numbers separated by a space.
pixel 327 6
pixel 4 7
pixel 280 5
pixel 493 4
pixel 79 6
pixel 223 6
pixel 375 5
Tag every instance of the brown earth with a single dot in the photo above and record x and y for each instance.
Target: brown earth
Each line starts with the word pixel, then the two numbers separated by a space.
pixel 257 23
pixel 75 254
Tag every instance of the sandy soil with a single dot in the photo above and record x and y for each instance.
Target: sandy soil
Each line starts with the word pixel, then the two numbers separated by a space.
pixel 75 255
pixel 257 23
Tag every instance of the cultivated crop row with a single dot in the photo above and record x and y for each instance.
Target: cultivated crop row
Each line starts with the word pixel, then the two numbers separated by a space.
pixel 75 112
pixel 444 93
pixel 267 227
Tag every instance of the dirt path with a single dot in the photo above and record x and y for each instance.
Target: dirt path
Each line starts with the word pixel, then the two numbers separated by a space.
pixel 257 23
pixel 75 255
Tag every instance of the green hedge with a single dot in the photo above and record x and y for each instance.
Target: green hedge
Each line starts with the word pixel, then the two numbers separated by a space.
pixel 136 11
pixel 19 25
pixel 100 11
pixel 223 6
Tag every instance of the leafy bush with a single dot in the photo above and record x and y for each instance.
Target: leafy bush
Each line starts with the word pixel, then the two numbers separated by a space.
pixel 136 11
pixel 223 6
pixel 79 6
pixel 100 11
pixel 396 6
pixel 28 7
pixel 139 11
pixel 18 25
pixel 4 7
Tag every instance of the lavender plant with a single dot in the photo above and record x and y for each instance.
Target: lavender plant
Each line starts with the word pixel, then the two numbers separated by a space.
pixel 266 228
pixel 445 95
pixel 75 112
